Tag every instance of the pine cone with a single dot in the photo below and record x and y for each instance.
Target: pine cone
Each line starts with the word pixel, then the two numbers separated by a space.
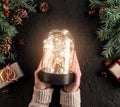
pixel 102 9
pixel 5 46
pixel 16 20
pixel 7 40
pixel 43 7
pixel 21 13
pixel 101 12
pixel 4 49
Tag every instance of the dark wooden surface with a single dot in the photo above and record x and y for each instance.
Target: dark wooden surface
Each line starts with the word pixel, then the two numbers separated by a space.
pixel 72 15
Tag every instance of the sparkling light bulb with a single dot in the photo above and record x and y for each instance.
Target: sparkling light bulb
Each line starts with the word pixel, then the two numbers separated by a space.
pixel 58 48
pixel 65 31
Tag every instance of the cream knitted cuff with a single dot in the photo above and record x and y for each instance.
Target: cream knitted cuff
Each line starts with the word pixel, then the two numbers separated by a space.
pixel 70 99
pixel 42 96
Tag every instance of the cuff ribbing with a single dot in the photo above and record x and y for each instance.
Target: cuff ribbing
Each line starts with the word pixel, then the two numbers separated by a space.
pixel 70 99
pixel 42 96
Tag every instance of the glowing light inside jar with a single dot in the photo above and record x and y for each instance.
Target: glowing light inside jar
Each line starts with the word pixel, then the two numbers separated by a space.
pixel 58 52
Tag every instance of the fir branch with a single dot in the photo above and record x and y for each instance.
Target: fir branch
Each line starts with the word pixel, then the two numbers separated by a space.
pixel 11 31
pixel 113 2
pixel 110 26
pixel 13 4
pixel 118 30
pixel 28 4
pixel 117 44
pixel 95 4
pixel 3 24
pixel 108 49
pixel 7 29
pixel 2 15
pixel 2 59
pixel 111 16
pixel 112 47
pixel 2 36
pixel 105 33
pixel 0 5
pixel 11 56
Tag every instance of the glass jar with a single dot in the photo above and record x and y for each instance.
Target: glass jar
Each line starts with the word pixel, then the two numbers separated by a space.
pixel 58 50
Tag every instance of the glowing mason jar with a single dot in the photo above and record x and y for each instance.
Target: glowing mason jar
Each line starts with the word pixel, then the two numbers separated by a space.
pixel 58 50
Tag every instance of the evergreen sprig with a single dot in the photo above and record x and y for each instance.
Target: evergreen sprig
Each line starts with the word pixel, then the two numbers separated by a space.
pixel 7 29
pixel 105 33
pixel 111 16
pixel 11 56
pixel 113 2
pixel 95 4
pixel 28 4
pixel 2 59
pixel 109 29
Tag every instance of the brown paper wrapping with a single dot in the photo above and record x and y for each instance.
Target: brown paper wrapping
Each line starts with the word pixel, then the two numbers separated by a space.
pixel 15 66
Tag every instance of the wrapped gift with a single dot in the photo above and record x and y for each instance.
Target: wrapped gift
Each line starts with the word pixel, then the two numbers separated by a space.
pixel 115 70
pixel 9 74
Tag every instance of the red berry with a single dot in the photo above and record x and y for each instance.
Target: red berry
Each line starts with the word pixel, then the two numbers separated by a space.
pixel 7 14
pixel 91 12
pixel 103 73
pixel 5 91
pixel 6 10
pixel 6 2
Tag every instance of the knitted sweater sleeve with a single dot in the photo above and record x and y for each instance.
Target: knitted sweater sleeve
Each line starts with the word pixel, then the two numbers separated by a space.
pixel 41 98
pixel 70 99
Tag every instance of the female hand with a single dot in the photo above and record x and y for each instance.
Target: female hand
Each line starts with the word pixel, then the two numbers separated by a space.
pixel 77 72
pixel 39 84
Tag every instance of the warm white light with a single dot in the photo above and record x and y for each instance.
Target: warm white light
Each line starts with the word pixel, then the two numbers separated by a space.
pixel 58 50
pixel 65 31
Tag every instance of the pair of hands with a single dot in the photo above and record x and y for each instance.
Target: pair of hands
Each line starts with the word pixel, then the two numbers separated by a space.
pixel 71 88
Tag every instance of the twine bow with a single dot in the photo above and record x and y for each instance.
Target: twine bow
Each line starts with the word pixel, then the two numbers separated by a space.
pixel 118 62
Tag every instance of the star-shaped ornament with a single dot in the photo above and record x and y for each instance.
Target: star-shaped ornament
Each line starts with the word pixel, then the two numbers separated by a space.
pixel 21 42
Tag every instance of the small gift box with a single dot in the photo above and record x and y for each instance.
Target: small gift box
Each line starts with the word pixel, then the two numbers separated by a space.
pixel 115 70
pixel 9 74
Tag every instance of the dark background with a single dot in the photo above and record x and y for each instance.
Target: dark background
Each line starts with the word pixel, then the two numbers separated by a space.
pixel 96 91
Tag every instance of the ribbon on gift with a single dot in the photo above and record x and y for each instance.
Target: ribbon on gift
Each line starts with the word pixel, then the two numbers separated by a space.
pixel 118 79
pixel 118 62
pixel 8 73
